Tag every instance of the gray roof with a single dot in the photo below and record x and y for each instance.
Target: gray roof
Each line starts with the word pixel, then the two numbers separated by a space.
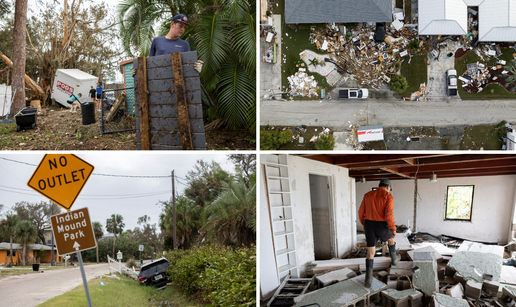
pixel 326 11
pixel 18 246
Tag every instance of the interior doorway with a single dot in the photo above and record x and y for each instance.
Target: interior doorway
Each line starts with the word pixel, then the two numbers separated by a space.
pixel 322 216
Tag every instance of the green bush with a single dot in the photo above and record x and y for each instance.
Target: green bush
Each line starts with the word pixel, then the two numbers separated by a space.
pixel 221 275
pixel 413 45
pixel 325 142
pixel 269 140
pixel 285 136
pixel 398 83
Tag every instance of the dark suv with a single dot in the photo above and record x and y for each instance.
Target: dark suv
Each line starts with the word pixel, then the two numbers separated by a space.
pixel 153 273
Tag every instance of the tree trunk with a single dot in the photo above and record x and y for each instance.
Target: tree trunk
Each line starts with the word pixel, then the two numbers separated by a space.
pixel 97 253
pixel 18 84
pixel 23 255
pixel 11 240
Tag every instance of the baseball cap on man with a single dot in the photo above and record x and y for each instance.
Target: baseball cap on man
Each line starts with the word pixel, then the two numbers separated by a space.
pixel 385 182
pixel 181 18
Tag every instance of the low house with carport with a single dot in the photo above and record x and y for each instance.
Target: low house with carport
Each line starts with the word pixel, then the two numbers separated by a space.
pixel 33 251
pixel 309 203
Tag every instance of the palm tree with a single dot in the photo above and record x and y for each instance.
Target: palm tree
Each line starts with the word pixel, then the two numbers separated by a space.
pixel 25 233
pixel 97 229
pixel 188 221
pixel 223 33
pixel 18 81
pixel 115 225
pixel 8 227
pixel 231 218
pixel 510 79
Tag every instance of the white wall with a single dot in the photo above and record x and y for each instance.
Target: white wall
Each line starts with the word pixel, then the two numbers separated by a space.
pixel 343 206
pixel 493 203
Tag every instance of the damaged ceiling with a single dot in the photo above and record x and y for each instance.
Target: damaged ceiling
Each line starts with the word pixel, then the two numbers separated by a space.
pixel 421 166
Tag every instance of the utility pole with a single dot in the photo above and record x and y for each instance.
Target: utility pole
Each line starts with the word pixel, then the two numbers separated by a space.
pixel 52 229
pixel 174 210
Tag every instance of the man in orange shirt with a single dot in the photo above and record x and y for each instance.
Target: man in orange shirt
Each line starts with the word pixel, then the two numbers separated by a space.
pixel 377 216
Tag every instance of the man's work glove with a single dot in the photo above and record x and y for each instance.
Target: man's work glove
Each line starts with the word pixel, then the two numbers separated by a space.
pixel 198 65
pixel 133 71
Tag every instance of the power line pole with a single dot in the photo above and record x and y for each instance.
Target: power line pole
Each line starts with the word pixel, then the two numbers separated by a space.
pixel 174 210
pixel 52 231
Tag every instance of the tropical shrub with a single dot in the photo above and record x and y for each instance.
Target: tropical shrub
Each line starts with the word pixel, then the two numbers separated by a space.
pixel 325 142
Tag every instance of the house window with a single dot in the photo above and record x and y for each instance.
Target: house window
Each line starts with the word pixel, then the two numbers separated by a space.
pixel 9 253
pixel 459 202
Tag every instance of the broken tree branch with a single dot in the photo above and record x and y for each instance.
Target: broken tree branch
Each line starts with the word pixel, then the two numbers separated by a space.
pixel 33 85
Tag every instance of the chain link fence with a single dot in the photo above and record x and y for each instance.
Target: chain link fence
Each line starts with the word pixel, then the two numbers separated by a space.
pixel 118 110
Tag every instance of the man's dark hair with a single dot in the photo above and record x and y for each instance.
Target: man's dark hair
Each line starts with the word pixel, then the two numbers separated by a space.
pixel 383 185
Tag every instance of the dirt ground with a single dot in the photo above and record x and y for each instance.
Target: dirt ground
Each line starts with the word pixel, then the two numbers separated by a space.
pixel 58 129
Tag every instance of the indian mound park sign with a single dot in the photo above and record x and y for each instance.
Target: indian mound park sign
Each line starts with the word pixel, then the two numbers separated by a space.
pixel 60 178
pixel 73 231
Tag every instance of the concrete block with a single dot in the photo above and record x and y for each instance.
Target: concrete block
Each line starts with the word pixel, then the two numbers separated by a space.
pixel 472 260
pixel 392 284
pixel 459 279
pixel 402 268
pixel 425 279
pixel 382 276
pixel 416 300
pixel 491 287
pixel 405 298
pixel 403 284
pixel 334 276
pixel 442 300
pixel 473 289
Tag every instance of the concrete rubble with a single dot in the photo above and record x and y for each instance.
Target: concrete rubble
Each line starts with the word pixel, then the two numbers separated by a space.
pixel 302 85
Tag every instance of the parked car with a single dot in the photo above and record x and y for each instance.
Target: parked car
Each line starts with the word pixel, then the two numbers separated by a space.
pixel 153 273
pixel 451 77
pixel 353 93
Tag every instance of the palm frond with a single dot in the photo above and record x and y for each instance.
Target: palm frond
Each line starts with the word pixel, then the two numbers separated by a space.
pixel 212 43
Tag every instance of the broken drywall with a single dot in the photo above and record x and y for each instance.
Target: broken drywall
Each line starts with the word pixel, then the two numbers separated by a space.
pixel 472 260
pixel 425 278
pixel 442 300
pixel 335 276
pixel 342 293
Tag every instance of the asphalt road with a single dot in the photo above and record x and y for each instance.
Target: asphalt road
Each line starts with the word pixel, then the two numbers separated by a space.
pixel 339 114
pixel 33 289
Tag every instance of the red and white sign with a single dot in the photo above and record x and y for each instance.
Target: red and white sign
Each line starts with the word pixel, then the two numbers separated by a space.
pixel 64 87
pixel 370 133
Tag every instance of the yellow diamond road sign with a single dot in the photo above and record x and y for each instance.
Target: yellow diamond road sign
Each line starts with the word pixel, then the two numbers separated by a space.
pixel 60 178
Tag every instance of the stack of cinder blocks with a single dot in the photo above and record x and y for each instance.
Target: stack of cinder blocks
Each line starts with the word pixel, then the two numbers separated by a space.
pixel 405 298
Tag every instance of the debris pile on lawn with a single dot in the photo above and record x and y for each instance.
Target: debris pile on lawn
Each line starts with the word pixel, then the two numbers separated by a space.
pixel 478 76
pixel 369 59
pixel 302 85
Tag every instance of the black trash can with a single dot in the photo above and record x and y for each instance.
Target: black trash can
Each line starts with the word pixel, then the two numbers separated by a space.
pixel 88 113
pixel 35 267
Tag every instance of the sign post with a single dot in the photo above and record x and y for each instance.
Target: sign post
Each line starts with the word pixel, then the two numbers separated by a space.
pixel 140 248
pixel 60 178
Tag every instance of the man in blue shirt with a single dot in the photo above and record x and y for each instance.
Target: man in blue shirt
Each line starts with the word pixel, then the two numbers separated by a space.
pixel 171 42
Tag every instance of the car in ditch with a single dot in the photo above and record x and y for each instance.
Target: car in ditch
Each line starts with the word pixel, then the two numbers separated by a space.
pixel 153 273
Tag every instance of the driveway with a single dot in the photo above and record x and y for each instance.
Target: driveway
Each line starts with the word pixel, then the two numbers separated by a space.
pixel 436 81
pixel 33 289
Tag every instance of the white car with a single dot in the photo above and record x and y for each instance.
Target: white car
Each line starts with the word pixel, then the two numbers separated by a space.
pixel 451 79
pixel 353 93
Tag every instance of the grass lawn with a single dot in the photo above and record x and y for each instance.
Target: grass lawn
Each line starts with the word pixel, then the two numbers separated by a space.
pixel 483 136
pixel 123 292
pixel 292 45
pixel 492 91
pixel 415 73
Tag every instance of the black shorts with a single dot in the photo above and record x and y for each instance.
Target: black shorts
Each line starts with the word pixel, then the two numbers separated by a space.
pixel 99 96
pixel 375 230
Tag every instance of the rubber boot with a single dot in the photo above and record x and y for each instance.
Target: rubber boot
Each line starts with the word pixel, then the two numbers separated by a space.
pixel 394 257
pixel 369 272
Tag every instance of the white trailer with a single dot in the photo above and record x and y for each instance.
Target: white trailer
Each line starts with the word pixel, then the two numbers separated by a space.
pixel 72 81
pixel 370 133
pixel 5 99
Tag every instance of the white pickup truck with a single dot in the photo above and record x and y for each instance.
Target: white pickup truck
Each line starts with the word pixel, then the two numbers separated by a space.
pixel 451 79
pixel 353 93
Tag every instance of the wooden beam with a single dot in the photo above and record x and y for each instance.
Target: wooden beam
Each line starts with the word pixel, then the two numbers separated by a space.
pixel 143 104
pixel 182 105
pixel 395 172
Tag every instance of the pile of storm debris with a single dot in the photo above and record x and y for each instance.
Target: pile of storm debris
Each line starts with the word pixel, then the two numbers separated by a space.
pixel 433 271
pixel 369 53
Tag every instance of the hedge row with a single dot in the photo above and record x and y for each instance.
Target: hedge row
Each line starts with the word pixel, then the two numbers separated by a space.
pixel 221 275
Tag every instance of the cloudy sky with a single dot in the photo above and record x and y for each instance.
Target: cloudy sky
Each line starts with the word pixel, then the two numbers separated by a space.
pixel 105 195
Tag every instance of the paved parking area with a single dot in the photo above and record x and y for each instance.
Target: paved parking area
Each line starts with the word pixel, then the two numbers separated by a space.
pixel 270 74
